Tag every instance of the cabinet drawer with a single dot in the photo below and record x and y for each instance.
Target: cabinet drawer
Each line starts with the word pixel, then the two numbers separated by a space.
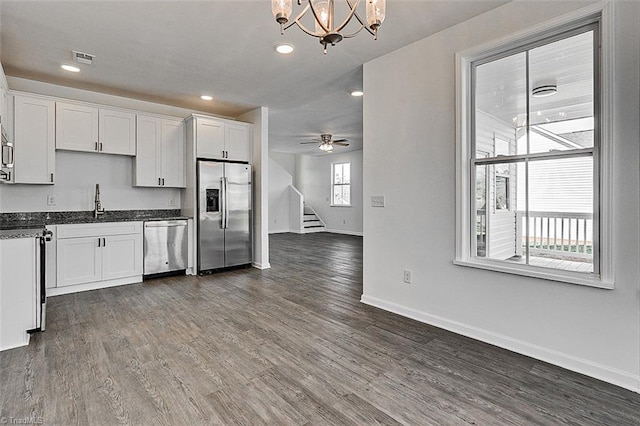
pixel 99 229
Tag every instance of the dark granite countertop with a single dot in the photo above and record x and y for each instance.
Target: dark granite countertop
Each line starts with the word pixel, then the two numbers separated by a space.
pixel 20 233
pixel 34 220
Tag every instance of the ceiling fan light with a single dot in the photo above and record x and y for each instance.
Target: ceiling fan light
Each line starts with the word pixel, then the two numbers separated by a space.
pixel 376 10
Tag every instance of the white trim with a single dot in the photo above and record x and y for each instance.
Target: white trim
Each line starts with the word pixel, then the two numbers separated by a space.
pixel 463 113
pixel 18 345
pixel 593 369
pixel 570 277
pixel 261 266
pixel 341 205
pixel 57 291
pixel 280 231
pixel 340 231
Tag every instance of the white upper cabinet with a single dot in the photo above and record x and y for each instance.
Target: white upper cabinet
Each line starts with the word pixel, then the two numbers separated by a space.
pixel 210 138
pixel 173 154
pixel 34 140
pixel 93 129
pixel 117 132
pixel 238 142
pixel 222 140
pixel 76 127
pixel 160 154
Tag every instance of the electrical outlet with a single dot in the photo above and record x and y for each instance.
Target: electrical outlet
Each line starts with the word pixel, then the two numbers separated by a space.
pixel 377 201
pixel 344 221
pixel 275 220
pixel 407 277
pixel 51 200
pixel 172 202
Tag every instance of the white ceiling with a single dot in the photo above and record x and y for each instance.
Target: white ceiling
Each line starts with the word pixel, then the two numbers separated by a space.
pixel 173 51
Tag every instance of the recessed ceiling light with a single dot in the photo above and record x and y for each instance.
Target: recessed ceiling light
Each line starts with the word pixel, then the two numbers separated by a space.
pixel 206 97
pixel 70 68
pixel 284 48
pixel 357 93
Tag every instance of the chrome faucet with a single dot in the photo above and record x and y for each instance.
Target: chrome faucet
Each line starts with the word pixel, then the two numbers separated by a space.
pixel 98 211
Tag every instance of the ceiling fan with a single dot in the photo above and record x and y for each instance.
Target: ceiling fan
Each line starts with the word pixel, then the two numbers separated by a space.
pixel 325 142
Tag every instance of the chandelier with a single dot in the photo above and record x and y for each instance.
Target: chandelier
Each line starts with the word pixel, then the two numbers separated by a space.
pixel 326 29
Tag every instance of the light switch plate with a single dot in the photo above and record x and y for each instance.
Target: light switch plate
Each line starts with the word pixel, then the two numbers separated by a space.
pixel 377 201
pixel 51 200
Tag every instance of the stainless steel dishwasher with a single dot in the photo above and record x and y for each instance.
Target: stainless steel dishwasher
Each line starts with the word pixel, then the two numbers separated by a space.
pixel 165 246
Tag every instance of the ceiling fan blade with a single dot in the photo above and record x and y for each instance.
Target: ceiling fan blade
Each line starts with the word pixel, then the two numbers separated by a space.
pixel 341 140
pixel 340 143
pixel 304 143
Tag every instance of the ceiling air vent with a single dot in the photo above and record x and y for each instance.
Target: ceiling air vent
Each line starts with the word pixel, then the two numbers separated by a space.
pixel 83 58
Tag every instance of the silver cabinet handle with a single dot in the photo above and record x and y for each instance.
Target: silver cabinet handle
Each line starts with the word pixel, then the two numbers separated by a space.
pixel 100 146
pixel 96 146
pixel 99 242
pixel 162 181
pixel 7 155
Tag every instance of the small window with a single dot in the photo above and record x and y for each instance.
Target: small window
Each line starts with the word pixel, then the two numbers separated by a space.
pixel 532 157
pixel 341 184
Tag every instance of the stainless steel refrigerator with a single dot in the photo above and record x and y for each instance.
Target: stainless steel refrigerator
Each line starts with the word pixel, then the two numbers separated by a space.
pixel 224 215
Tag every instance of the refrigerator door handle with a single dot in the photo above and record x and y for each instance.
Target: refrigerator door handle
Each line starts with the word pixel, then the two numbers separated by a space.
pixel 223 203
pixel 226 203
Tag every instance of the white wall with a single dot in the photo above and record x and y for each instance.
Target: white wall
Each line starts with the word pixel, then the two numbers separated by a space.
pixel 281 169
pixel 591 330
pixel 259 117
pixel 76 176
pixel 313 179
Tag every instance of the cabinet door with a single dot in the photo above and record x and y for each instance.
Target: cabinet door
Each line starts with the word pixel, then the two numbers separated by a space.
pixel 79 261
pixel 238 142
pixel 34 137
pixel 76 127
pixel 148 152
pixel 209 138
pixel 19 280
pixel 117 132
pixel 173 154
pixel 122 256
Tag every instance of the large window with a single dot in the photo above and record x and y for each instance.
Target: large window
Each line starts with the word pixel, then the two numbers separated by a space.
pixel 341 184
pixel 532 172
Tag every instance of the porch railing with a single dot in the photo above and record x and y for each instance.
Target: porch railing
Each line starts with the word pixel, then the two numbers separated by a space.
pixel 556 233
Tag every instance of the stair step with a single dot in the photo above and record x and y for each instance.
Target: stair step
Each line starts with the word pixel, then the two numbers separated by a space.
pixel 312 223
pixel 309 217
pixel 313 226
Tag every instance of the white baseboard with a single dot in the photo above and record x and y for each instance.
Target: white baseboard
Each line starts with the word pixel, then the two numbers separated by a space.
pixel 261 265
pixel 580 365
pixel 57 291
pixel 279 231
pixel 340 231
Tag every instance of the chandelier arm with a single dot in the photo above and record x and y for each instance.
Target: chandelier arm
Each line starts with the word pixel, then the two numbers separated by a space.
pixel 317 18
pixel 349 15
pixel 306 30
pixel 359 20
pixel 297 18
pixel 353 34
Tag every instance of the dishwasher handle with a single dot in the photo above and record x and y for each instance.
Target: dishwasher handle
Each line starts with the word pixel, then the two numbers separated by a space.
pixel 164 224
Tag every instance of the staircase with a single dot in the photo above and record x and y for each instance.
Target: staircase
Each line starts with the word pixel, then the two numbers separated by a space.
pixel 311 222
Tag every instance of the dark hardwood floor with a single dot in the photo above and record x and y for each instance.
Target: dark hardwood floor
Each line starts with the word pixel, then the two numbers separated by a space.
pixel 289 345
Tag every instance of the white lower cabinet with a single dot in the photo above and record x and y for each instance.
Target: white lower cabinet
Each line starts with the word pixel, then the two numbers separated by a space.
pixel 19 269
pixel 97 255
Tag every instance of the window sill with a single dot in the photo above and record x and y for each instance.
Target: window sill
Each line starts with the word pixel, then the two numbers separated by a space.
pixel 340 205
pixel 580 278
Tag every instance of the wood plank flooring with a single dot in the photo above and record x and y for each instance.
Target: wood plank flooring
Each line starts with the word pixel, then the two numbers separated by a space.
pixel 291 345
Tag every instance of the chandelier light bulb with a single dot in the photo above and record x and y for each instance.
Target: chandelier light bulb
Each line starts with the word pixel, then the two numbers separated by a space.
pixel 376 10
pixel 281 11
